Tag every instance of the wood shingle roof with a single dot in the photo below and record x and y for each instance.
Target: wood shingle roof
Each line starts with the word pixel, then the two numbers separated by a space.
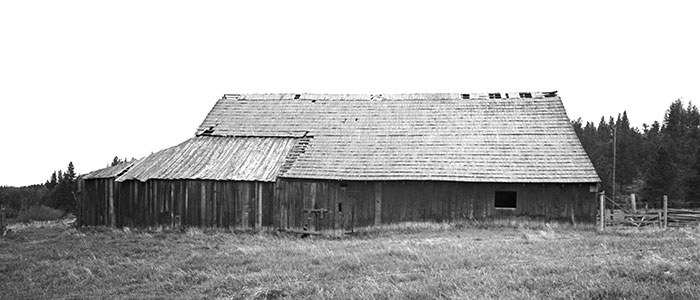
pixel 452 137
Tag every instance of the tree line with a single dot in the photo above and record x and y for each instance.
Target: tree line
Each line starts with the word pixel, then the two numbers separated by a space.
pixel 58 192
pixel 656 160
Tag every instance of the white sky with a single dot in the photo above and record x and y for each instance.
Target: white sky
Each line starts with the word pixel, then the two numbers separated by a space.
pixel 84 81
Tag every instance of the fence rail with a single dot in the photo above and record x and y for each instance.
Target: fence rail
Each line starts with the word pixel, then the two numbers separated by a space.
pixel 630 216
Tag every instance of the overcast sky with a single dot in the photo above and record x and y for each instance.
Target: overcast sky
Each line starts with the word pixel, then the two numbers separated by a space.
pixel 84 81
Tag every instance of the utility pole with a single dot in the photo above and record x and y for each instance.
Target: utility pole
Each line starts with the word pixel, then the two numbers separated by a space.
pixel 614 160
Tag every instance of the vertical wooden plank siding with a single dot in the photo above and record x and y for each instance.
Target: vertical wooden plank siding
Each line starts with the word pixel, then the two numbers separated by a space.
pixel 366 203
pixel 112 221
pixel 203 205
pixel 258 206
pixel 280 204
pixel 377 203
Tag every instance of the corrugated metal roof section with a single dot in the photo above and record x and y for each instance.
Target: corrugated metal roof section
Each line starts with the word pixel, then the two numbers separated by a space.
pixel 416 137
pixel 109 172
pixel 215 158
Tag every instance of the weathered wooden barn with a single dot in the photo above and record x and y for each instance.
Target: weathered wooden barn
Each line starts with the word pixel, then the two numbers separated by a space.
pixel 338 161
pixel 98 192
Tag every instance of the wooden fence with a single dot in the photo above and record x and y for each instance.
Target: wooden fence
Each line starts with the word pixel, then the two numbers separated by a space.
pixel 665 217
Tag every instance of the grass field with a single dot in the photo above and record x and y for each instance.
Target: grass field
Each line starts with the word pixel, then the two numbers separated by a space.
pixel 409 261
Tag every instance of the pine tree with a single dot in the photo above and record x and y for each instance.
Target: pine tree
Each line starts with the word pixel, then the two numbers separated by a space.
pixel 692 182
pixel 659 178
pixel 61 195
pixel 70 173
pixel 51 184
pixel 629 144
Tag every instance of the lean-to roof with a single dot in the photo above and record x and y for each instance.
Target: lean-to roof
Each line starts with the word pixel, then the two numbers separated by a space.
pixel 216 158
pixel 108 172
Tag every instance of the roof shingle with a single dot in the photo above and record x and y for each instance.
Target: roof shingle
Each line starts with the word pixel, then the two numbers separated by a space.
pixel 413 136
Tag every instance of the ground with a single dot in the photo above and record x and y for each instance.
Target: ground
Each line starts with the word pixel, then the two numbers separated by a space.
pixel 408 261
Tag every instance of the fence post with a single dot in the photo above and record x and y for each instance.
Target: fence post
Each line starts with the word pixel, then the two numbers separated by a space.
pixel 2 221
pixel 633 202
pixel 601 225
pixel 665 211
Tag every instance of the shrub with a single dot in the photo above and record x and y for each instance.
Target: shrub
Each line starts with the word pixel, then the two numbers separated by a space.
pixel 39 213
pixel 10 213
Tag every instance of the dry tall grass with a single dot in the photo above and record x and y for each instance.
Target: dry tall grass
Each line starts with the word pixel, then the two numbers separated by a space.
pixel 406 261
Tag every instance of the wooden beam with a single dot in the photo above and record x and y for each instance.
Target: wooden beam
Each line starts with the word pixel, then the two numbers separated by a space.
pixel 172 205
pixel 186 214
pixel 377 203
pixel 665 211
pixel 258 206
pixel 601 225
pixel 112 221
pixel 203 205
pixel 302 232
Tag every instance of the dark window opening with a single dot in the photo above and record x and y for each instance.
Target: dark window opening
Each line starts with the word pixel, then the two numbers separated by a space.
pixel 340 207
pixel 465 96
pixel 494 95
pixel 525 95
pixel 297 96
pixel 343 185
pixel 505 199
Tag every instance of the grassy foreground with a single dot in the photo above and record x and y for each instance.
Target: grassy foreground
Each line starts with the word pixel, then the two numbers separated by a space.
pixel 410 261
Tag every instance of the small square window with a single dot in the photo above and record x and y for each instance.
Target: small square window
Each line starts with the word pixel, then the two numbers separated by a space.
pixel 505 199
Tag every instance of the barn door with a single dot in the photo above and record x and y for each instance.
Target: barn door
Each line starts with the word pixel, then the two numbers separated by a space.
pixel 316 209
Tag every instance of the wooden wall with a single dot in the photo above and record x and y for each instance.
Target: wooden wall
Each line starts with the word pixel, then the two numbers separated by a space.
pixel 96 210
pixel 368 203
pixel 345 205
pixel 230 204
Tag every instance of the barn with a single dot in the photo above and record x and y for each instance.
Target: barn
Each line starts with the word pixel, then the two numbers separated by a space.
pixel 341 161
pixel 97 189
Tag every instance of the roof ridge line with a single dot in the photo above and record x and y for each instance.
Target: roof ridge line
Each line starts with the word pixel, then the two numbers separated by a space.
pixel 394 96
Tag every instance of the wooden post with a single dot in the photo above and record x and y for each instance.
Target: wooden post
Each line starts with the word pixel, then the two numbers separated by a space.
pixel 665 211
pixel 258 206
pixel 2 221
pixel 172 204
pixel 112 221
pixel 79 204
pixel 186 214
pixel 633 202
pixel 377 203
pixel 313 222
pixel 203 206
pixel 601 225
